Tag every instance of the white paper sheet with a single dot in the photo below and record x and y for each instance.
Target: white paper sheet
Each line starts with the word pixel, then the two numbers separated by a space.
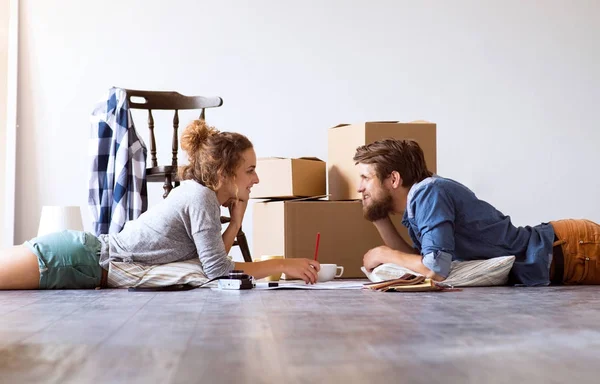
pixel 326 285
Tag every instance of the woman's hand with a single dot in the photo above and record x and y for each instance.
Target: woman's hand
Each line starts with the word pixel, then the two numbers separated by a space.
pixel 237 208
pixel 304 269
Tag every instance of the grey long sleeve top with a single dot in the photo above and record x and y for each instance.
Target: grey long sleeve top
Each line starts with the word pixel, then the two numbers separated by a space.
pixel 183 226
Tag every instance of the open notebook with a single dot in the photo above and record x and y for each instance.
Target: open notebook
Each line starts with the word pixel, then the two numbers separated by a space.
pixel 405 283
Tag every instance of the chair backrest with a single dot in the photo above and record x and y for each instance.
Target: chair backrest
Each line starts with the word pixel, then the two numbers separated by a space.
pixel 164 100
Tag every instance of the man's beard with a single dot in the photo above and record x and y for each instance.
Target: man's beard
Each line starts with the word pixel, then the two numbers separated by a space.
pixel 378 209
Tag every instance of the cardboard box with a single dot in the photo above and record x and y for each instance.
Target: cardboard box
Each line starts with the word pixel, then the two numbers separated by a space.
pixel 289 228
pixel 288 178
pixel 342 174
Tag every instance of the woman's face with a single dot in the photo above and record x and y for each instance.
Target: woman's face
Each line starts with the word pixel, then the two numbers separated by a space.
pixel 245 176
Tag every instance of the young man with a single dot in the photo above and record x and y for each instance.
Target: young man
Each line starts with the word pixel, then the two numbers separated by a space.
pixel 446 222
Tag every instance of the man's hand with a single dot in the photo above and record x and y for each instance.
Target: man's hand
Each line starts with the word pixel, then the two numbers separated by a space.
pixel 384 254
pixel 377 256
pixel 304 269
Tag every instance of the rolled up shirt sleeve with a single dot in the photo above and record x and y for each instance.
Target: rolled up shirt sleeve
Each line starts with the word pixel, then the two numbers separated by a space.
pixel 438 262
pixel 434 218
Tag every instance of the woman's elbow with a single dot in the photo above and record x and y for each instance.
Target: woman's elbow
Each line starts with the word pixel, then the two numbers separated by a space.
pixel 212 273
pixel 221 269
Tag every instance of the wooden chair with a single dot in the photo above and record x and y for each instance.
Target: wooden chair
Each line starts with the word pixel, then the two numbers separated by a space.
pixel 167 174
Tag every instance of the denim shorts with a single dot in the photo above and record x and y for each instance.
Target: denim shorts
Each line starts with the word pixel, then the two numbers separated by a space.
pixel 67 260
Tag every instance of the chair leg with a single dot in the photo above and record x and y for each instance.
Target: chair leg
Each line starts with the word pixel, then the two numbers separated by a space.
pixel 243 244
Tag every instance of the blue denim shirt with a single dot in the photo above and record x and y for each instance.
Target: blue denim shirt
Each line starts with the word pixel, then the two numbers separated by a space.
pixel 446 222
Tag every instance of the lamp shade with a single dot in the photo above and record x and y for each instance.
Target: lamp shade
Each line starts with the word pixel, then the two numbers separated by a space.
pixel 59 218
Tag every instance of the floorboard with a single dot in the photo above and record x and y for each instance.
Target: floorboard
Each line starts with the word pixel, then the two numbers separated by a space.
pixel 491 335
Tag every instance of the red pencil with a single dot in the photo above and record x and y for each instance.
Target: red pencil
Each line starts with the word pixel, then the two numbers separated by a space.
pixel 317 246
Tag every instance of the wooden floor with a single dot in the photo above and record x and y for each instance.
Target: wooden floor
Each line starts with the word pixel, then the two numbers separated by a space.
pixel 478 335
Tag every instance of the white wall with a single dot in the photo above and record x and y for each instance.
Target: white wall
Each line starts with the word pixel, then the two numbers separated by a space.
pixel 4 12
pixel 513 86
pixel 9 10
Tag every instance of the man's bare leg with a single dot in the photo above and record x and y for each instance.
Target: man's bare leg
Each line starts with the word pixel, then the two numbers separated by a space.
pixel 19 268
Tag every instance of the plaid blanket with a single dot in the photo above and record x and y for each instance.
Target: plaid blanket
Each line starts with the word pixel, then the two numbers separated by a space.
pixel 117 185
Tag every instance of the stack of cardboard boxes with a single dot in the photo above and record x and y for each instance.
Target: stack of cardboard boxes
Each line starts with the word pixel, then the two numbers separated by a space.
pixel 287 225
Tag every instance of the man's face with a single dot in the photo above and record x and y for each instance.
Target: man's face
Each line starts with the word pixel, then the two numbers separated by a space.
pixel 377 199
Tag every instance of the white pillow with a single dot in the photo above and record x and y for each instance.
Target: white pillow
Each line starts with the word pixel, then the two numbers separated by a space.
pixel 124 275
pixel 473 273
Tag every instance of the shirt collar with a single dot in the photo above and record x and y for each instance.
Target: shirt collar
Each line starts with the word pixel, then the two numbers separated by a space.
pixel 409 214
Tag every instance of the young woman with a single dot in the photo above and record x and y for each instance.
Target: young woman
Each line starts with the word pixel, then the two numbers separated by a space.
pixel 184 226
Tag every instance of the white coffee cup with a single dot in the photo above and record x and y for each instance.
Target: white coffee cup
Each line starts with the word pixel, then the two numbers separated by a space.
pixel 329 272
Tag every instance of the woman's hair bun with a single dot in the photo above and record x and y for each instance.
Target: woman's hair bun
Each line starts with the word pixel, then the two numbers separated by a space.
pixel 195 135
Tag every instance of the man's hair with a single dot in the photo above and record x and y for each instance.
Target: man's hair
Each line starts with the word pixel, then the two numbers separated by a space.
pixel 404 156
pixel 211 153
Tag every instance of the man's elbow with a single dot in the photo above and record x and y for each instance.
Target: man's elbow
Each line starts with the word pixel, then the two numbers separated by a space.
pixel 438 264
pixel 435 277
pixel 428 273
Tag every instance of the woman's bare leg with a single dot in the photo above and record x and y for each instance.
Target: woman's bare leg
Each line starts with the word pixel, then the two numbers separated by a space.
pixel 19 268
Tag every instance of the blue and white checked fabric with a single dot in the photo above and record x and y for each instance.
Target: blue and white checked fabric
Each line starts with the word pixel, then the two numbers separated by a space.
pixel 117 187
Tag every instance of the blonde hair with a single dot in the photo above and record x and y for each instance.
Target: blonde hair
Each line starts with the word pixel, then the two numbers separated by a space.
pixel 212 154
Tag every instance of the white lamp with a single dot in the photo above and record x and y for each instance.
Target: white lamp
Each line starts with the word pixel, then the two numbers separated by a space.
pixel 59 218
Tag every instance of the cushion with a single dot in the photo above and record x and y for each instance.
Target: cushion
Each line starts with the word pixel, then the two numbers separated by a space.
pixel 124 275
pixel 472 273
